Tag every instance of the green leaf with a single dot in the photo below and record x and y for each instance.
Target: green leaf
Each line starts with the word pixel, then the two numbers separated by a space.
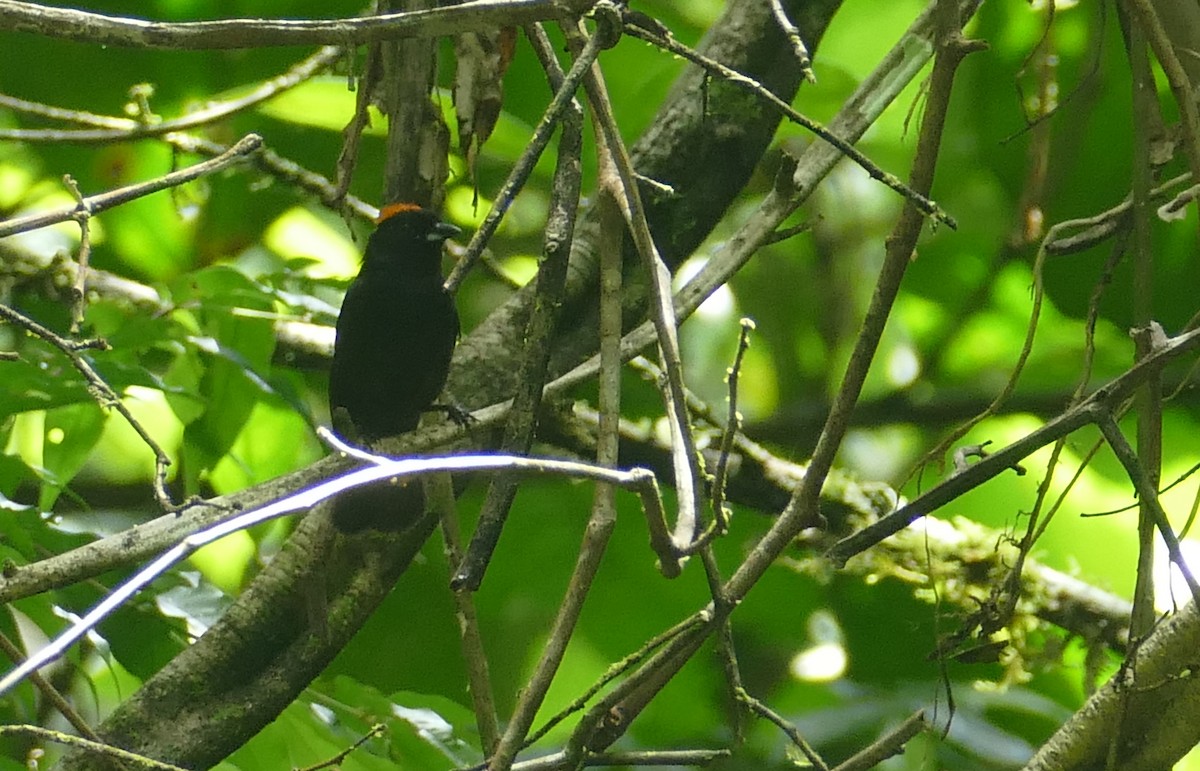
pixel 69 434
pixel 240 346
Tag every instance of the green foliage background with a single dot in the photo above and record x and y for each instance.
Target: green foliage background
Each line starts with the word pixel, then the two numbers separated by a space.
pixel 205 380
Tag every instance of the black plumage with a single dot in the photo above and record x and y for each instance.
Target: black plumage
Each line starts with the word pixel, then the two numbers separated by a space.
pixel 395 335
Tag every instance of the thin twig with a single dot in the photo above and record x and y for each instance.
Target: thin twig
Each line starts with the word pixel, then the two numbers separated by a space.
pixel 352 133
pixel 733 424
pixel 49 692
pixel 923 203
pixel 83 216
pixel 376 730
pixel 1181 86
pixel 519 174
pixel 101 391
pixel 245 147
pixel 114 754
pixel 688 473
pixel 609 718
pixel 285 170
pixel 616 670
pixel 1104 225
pixel 888 745
pixel 793 35
pixel 793 733
pixel 1085 377
pixel 111 129
pixel 1146 117
pixel 1144 485
pixel 440 493
pixel 559 761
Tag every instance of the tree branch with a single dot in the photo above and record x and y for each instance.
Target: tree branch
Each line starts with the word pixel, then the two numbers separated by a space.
pixel 124 32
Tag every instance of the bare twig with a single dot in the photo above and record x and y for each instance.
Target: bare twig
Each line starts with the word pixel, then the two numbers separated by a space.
pixel 793 36
pixel 49 692
pixel 110 129
pixel 1104 225
pixel 83 215
pixel 1144 485
pixel 793 733
pixel 1146 116
pixel 563 95
pixel 886 746
pixel 604 514
pixel 439 491
pixel 1181 86
pixel 924 204
pixel 1094 409
pixel 352 133
pixel 618 669
pixel 101 391
pixel 559 761
pixel 99 29
pixel 246 146
pixel 733 424
pixel 688 474
pixel 114 754
pixel 285 170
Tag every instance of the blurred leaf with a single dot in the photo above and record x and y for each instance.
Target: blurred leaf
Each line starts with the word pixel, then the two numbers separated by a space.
pixel 324 102
pixel 143 639
pixel 240 346
pixel 197 602
pixel 420 732
pixel 70 434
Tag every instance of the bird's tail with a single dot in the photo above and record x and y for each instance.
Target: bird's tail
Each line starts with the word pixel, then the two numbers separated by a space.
pixel 389 505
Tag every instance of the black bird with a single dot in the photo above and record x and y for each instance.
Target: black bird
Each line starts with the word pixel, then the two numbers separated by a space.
pixel 395 336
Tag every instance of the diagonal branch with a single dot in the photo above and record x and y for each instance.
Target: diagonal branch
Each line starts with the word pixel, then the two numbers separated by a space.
pixel 246 147
pixel 1094 409
pixel 801 511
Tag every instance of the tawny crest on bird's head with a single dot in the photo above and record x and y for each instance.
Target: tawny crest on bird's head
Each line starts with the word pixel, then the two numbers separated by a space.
pixel 392 209
pixel 409 235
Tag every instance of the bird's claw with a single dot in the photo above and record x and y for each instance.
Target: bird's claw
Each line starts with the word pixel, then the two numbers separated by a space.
pixel 461 417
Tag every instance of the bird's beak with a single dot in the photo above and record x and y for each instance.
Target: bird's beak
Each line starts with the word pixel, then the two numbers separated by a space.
pixel 442 231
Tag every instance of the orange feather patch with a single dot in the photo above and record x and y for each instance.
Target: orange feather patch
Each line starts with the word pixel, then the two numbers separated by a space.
pixel 393 209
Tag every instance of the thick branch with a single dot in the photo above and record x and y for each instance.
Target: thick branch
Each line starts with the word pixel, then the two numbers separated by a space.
pixel 124 32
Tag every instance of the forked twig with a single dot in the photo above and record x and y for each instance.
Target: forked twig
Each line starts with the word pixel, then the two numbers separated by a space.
pixel 101 391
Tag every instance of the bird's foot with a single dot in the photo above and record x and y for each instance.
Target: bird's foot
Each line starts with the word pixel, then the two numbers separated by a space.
pixel 461 417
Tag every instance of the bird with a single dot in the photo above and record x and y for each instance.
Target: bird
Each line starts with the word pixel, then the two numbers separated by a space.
pixel 396 333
